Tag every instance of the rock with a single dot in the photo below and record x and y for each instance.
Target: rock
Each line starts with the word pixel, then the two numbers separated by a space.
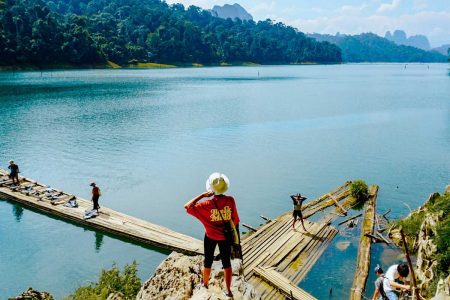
pixel 178 276
pixel 426 251
pixel 31 294
pixel 447 188
pixel 443 289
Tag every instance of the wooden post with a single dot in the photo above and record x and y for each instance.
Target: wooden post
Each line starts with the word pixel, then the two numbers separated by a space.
pixel 363 261
pixel 411 269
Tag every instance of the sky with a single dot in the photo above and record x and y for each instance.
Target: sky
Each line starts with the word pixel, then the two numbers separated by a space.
pixel 427 17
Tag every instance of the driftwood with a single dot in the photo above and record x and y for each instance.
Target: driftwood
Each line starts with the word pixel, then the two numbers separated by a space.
pixel 363 261
pixel 349 219
pixel 249 227
pixel 266 219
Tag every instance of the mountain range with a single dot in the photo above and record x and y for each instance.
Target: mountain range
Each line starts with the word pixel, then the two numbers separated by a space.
pixel 369 47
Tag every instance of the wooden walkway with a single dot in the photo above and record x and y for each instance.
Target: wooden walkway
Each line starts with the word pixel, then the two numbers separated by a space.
pixel 36 195
pixel 277 258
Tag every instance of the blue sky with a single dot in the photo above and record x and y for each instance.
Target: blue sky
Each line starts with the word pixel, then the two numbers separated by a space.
pixel 428 17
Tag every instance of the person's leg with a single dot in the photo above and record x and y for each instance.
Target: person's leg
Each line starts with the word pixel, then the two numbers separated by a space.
pixel 209 247
pixel 294 214
pixel 95 200
pixel 303 224
pixel 225 253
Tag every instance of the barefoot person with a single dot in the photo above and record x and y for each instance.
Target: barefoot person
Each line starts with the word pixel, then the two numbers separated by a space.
pixel 212 212
pixel 14 172
pixel 297 212
pixel 95 195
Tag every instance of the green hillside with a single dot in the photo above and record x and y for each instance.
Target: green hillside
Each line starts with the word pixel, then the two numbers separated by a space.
pixel 88 32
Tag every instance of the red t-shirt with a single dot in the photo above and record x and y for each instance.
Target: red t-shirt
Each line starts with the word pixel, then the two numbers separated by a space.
pixel 208 214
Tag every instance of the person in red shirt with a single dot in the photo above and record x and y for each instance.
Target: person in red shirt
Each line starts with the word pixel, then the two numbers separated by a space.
pixel 95 195
pixel 212 212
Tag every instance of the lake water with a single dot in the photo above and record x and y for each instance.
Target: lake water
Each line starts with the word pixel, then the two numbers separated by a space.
pixel 150 138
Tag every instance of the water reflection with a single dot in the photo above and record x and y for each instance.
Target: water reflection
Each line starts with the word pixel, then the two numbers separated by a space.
pixel 98 241
pixel 18 212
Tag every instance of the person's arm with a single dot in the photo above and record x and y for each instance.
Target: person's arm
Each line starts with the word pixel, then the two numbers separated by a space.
pixel 193 201
pixel 376 294
pixel 399 286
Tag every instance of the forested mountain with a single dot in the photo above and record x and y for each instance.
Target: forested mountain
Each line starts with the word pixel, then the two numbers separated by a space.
pixel 369 47
pixel 86 32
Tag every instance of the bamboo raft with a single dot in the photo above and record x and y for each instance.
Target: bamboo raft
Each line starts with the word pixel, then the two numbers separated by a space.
pixel 51 201
pixel 277 258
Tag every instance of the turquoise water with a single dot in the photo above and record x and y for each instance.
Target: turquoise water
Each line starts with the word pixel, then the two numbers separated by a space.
pixel 150 138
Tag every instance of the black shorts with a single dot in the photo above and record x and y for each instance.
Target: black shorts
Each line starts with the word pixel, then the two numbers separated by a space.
pixel 225 252
pixel 297 213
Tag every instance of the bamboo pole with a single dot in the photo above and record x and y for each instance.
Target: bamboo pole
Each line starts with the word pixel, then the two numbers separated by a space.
pixel 416 295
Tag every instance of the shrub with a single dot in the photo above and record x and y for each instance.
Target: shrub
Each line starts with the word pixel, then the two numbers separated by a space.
pixel 111 281
pixel 359 191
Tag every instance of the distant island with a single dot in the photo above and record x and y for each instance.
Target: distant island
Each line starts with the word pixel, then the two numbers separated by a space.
pixel 234 11
pixel 369 47
pixel 46 33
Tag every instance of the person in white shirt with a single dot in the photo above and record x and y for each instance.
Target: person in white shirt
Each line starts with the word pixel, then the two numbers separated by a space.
pixel 396 272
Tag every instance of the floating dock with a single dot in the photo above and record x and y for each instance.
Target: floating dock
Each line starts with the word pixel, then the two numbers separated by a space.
pixel 277 258
pixel 38 196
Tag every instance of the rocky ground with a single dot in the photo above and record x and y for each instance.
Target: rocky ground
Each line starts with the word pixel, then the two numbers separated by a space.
pixel 31 294
pixel 425 249
pixel 179 276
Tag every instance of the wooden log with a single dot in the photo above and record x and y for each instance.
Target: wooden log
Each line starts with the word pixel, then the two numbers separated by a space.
pixel 363 261
pixel 383 238
pixel 344 211
pixel 349 219
pixel 374 238
pixel 249 227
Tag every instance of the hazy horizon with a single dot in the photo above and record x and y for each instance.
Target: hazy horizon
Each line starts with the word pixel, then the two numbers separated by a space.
pixel 424 17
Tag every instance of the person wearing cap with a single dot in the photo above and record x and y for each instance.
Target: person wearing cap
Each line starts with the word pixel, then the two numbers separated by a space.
pixel 297 212
pixel 379 293
pixel 14 172
pixel 212 208
pixel 95 195
pixel 394 274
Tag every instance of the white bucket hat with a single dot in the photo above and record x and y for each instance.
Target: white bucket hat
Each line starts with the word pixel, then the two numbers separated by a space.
pixel 217 183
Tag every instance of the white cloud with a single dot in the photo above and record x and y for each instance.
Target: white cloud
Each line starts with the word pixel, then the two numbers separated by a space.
pixel 385 7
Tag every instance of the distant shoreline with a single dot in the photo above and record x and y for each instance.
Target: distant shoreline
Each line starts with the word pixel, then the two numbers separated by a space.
pixel 147 65
pixel 152 65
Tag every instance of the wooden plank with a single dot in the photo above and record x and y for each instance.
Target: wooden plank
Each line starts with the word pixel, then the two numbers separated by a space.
pixel 363 260
pixel 282 283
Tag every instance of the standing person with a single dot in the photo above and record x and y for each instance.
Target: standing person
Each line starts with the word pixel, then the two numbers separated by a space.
pixel 297 212
pixel 396 273
pixel 14 172
pixel 212 213
pixel 95 195
pixel 379 293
